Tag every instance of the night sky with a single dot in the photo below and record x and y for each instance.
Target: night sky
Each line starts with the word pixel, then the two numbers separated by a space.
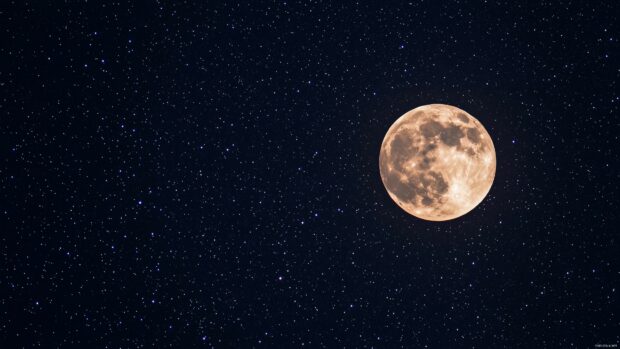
pixel 206 175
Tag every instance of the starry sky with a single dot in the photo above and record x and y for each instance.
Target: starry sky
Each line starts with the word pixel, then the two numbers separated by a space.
pixel 205 174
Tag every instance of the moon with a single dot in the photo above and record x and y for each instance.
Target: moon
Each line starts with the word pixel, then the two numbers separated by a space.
pixel 437 162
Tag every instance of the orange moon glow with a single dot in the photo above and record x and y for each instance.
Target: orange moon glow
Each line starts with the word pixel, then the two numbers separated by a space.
pixel 437 162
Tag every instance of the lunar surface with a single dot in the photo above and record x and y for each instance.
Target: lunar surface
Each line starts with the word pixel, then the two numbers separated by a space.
pixel 437 162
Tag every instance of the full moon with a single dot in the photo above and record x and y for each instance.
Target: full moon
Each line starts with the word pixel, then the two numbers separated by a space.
pixel 437 162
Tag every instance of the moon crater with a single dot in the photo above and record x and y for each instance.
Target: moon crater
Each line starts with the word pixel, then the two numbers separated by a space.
pixel 437 162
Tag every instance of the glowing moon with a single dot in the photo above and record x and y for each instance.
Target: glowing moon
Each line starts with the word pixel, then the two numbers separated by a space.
pixel 437 162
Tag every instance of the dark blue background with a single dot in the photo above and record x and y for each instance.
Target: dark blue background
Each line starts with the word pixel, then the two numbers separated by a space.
pixel 178 174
